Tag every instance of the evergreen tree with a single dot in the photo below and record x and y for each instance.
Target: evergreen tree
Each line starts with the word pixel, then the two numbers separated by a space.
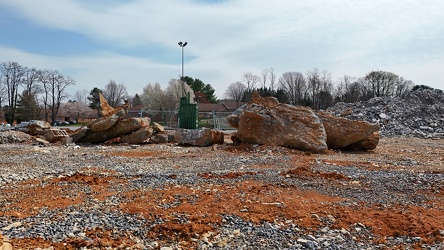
pixel 93 98
pixel 198 86
pixel 27 107
pixel 136 100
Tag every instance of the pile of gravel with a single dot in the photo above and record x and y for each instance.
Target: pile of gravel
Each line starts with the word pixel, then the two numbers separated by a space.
pixel 419 113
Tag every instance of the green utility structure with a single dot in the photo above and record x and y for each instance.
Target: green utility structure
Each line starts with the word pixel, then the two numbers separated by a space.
pixel 188 113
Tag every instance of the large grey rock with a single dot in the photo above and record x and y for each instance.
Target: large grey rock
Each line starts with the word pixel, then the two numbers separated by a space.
pixel 196 137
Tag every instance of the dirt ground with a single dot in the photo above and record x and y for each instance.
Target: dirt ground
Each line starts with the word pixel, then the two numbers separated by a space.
pixel 247 196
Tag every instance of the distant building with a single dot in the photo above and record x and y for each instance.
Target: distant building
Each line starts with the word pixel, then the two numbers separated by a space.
pixel 221 106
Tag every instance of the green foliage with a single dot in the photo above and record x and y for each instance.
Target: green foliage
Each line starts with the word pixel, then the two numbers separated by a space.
pixel 206 123
pixel 93 98
pixel 419 87
pixel 281 96
pixel 136 101
pixel 27 107
pixel 198 86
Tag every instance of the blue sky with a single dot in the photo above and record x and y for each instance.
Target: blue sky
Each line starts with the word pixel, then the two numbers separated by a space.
pixel 134 42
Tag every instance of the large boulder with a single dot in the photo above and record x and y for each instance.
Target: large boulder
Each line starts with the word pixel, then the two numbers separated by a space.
pixel 104 108
pixel 106 122
pixel 368 143
pixel 37 126
pixel 121 128
pixel 342 132
pixel 266 121
pixel 139 136
pixel 159 138
pixel 202 138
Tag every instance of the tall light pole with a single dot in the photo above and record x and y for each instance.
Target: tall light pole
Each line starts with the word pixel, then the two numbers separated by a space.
pixel 181 44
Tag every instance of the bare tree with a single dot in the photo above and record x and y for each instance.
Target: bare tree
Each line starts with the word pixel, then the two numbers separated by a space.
pixel 294 85
pixel 3 92
pixel 166 102
pixel 264 78
pixel 314 85
pixel 32 87
pixel 235 92
pixel 115 93
pixel 403 86
pixel 272 78
pixel 382 83
pixel 12 78
pixel 343 87
pixel 54 85
pixel 81 96
pixel 176 88
pixel 250 80
pixel 152 97
pixel 76 110
pixel 325 97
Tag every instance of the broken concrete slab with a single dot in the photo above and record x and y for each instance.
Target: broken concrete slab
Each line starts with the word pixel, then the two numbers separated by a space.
pixel 53 135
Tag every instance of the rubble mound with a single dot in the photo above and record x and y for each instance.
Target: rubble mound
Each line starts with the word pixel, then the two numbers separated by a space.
pixel 419 113
pixel 14 137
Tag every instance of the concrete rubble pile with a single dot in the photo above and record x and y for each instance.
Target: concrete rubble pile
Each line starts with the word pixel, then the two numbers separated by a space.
pixel 13 137
pixel 419 113
pixel 266 121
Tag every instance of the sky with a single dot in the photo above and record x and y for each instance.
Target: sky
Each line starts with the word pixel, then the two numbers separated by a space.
pixel 135 42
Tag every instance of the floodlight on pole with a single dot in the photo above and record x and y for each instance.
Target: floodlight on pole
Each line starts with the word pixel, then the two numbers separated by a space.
pixel 182 44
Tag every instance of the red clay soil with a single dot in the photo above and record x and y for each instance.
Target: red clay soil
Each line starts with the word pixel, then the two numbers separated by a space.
pixel 252 200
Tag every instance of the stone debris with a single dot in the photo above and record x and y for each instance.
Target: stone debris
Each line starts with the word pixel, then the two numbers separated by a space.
pixel 266 121
pixel 37 127
pixel 419 113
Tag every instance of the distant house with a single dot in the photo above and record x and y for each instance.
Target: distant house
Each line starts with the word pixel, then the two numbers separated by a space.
pixel 86 116
pixel 135 111
pixel 222 106
pixel 74 111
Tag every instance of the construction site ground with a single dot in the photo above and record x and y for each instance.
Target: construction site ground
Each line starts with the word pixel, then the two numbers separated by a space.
pixel 116 196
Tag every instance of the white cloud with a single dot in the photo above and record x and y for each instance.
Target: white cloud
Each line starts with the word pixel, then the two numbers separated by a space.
pixel 232 37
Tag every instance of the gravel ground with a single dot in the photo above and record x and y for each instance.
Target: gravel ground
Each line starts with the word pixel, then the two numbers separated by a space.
pixel 222 197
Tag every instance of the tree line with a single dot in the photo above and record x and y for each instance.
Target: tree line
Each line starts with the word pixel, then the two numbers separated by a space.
pixel 316 88
pixel 26 93
pixel 32 94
